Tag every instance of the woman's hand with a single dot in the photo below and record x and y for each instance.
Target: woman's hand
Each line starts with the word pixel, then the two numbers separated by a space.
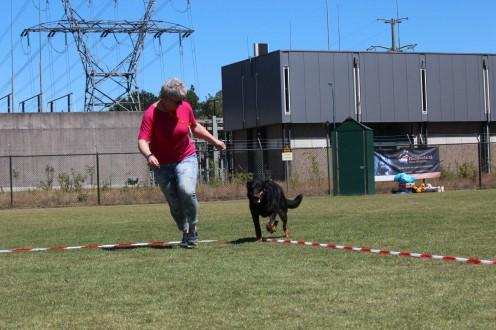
pixel 153 162
pixel 201 132
pixel 219 145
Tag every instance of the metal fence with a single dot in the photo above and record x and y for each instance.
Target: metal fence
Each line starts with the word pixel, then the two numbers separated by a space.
pixel 124 178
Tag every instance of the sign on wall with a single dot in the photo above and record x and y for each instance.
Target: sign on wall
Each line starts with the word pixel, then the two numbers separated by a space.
pixel 421 163
pixel 287 154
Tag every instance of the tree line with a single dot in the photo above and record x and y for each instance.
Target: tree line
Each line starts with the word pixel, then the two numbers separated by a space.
pixel 212 106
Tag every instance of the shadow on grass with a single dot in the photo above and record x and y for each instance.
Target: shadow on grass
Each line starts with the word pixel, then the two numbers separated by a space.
pixel 244 240
pixel 253 239
pixel 128 246
pixel 160 247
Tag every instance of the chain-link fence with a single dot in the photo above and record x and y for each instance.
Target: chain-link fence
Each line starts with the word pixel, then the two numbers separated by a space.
pixel 124 178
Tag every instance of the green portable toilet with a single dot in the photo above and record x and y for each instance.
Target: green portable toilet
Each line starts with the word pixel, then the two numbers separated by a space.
pixel 353 158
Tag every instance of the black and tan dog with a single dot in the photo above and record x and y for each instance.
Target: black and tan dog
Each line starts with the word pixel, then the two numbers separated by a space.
pixel 267 200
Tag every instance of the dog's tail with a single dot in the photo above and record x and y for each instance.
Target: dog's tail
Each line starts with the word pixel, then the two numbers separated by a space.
pixel 292 204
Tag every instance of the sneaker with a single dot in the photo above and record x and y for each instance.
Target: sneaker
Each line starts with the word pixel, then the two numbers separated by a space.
pixel 192 238
pixel 184 241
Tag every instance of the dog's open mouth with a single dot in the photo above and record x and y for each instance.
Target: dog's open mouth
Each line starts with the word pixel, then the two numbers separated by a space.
pixel 259 196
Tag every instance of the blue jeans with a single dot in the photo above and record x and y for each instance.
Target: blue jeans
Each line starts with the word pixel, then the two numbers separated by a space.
pixel 178 184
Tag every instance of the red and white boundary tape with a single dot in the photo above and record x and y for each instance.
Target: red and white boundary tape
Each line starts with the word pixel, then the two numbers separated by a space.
pixel 270 240
pixel 382 251
pixel 104 246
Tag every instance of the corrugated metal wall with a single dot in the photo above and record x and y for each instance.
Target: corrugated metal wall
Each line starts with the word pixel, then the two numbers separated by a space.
pixel 390 88
pixel 311 94
pixel 252 92
pixel 455 87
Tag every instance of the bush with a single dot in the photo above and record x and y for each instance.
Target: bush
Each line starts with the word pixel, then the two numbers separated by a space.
pixel 71 183
pixel 241 177
pixel 48 184
pixel 447 174
pixel 468 171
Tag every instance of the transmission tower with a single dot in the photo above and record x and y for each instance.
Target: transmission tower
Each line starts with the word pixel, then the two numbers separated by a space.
pixel 394 38
pixel 98 75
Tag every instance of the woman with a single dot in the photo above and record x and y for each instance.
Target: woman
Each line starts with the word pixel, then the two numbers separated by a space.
pixel 164 139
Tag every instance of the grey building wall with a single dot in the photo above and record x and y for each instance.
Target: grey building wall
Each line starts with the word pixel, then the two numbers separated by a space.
pixel 491 60
pixel 390 88
pixel 254 92
pixel 310 92
pixel 455 87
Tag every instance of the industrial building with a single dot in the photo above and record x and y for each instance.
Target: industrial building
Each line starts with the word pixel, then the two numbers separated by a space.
pixel 295 97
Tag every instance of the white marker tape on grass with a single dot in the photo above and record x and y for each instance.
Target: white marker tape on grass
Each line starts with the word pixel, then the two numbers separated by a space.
pixel 382 251
pixel 104 246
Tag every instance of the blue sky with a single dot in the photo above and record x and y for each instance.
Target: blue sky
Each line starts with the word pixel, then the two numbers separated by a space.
pixel 224 33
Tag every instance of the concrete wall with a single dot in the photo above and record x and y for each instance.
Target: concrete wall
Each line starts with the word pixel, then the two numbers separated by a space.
pixel 42 147
pixel 63 133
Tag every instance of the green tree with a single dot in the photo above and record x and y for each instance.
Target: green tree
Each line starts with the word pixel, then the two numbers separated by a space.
pixel 192 98
pixel 213 106
pixel 145 99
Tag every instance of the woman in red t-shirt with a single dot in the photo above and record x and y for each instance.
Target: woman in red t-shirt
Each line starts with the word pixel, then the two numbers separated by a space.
pixel 164 139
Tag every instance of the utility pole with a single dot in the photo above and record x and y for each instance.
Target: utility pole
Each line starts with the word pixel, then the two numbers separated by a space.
pixel 99 75
pixel 40 97
pixel 327 24
pixel 394 38
pixel 12 99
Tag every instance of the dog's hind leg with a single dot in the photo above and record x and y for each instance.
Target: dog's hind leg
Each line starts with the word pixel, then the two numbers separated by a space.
pixel 284 217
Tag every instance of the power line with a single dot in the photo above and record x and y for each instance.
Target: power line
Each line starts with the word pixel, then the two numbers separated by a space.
pixel 17 16
pixel 193 48
pixel 124 73
pixel 62 59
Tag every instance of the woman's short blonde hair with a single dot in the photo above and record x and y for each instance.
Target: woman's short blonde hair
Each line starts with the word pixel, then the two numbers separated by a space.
pixel 173 89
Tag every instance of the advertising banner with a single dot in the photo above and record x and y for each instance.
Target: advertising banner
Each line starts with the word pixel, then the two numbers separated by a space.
pixel 421 163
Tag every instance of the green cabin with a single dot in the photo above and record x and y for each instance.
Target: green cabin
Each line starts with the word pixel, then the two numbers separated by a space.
pixel 353 158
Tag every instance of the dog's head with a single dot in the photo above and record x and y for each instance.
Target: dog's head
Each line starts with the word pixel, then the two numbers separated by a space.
pixel 255 191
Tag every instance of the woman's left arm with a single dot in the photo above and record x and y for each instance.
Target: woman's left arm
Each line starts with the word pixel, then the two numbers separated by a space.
pixel 201 132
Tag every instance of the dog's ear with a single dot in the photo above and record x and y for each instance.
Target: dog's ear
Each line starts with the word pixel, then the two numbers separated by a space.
pixel 249 184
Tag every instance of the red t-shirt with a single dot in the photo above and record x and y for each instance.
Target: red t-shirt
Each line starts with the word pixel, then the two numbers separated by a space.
pixel 168 133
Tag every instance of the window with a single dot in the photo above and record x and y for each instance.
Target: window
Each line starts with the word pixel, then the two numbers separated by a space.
pixel 423 90
pixel 485 77
pixel 243 98
pixel 285 70
pixel 356 82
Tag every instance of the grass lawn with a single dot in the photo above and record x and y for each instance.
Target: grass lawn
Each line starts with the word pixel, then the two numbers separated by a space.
pixel 237 283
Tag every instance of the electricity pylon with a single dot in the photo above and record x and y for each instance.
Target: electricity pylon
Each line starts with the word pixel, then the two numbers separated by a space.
pixel 98 75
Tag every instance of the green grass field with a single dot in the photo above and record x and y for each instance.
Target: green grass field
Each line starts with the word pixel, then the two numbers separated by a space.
pixel 240 284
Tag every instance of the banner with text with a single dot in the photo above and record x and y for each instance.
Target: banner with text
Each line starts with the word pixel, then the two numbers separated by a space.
pixel 421 163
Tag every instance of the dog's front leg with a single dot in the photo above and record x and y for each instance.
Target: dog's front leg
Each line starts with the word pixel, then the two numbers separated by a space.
pixel 256 223
pixel 272 224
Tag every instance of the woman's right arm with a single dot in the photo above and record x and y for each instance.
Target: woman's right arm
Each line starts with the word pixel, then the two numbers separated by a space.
pixel 144 148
